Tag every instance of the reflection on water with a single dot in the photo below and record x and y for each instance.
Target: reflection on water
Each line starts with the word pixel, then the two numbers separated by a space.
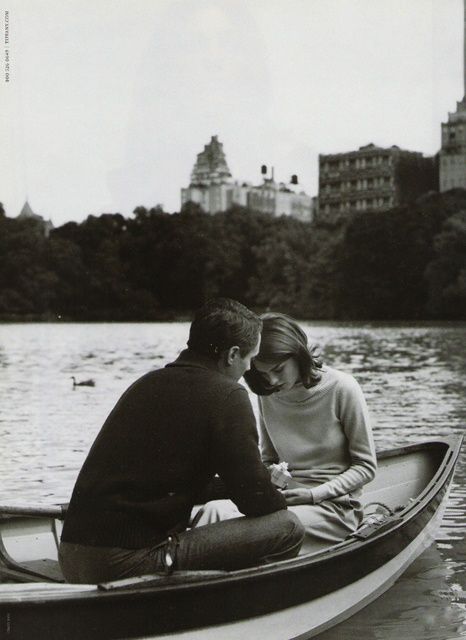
pixel 414 378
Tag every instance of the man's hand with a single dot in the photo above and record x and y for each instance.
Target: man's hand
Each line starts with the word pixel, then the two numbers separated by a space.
pixel 298 496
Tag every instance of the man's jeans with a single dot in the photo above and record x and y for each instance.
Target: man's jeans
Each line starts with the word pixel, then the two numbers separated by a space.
pixel 231 544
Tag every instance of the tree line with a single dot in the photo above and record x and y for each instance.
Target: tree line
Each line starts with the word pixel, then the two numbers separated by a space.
pixel 408 263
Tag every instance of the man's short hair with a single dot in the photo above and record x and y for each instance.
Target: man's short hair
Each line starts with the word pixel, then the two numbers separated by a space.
pixel 223 323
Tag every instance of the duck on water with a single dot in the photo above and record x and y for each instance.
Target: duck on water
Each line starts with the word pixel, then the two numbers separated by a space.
pixel 83 383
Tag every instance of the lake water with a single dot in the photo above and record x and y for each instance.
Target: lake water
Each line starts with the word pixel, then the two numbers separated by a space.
pixel 413 376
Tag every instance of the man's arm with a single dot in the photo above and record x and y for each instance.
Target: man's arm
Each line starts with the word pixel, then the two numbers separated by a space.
pixel 236 458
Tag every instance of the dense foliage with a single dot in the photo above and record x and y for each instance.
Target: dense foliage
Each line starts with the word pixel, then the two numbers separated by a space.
pixel 407 263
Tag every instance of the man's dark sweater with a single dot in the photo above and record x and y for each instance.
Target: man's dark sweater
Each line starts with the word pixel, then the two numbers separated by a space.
pixel 162 444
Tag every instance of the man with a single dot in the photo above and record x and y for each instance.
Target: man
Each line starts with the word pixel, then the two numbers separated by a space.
pixel 167 437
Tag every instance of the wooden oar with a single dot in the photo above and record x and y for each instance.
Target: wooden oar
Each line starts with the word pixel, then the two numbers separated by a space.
pixel 52 511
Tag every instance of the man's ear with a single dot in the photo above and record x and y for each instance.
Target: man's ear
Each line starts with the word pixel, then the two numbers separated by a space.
pixel 231 354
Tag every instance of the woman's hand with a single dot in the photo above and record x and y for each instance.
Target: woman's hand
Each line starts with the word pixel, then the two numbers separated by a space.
pixel 298 496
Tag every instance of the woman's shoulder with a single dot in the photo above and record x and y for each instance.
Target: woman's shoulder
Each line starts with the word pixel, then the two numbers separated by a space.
pixel 339 379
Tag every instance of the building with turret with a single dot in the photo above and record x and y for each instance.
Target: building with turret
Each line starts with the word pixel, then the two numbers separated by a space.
pixel 213 188
pixel 211 184
pixel 453 151
pixel 27 213
pixel 211 165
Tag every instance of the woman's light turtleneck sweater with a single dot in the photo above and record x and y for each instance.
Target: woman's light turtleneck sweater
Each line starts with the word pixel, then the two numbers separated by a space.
pixel 323 433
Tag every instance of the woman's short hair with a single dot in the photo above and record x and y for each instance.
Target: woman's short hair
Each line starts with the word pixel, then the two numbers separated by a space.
pixel 223 323
pixel 283 338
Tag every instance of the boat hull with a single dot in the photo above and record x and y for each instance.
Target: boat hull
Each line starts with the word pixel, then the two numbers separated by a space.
pixel 293 599
pixel 315 616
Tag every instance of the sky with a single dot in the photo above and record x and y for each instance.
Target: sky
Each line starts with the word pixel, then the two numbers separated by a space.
pixel 109 101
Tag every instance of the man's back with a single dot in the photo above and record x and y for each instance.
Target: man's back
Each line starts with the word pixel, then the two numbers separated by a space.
pixel 169 433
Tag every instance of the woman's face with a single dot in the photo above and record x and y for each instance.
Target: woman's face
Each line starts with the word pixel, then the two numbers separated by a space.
pixel 283 375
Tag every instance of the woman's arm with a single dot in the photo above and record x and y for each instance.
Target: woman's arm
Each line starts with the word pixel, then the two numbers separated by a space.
pixel 351 409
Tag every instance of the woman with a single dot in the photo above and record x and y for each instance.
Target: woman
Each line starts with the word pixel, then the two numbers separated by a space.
pixel 315 419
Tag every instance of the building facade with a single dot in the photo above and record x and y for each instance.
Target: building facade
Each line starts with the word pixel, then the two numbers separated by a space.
pixel 453 151
pixel 213 188
pixel 372 179
pixel 280 199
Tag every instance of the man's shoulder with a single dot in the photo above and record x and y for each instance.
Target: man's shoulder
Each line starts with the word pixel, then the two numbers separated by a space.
pixel 195 376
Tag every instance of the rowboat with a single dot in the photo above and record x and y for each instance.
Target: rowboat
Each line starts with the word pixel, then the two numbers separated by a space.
pixel 292 599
